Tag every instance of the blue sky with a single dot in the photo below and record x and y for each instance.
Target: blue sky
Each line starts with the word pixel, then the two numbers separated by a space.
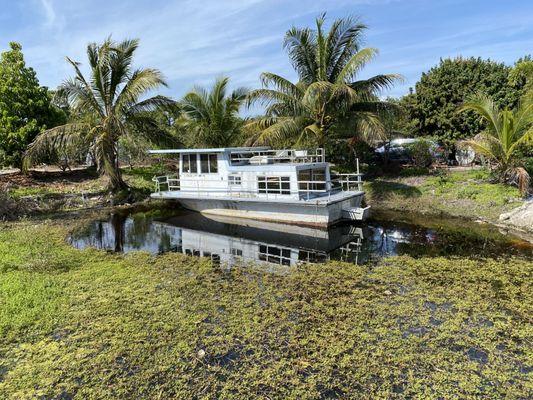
pixel 192 42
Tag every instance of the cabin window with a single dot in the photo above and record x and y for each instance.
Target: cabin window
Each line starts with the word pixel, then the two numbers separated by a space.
pixel 208 163
pixel 234 180
pixel 274 184
pixel 274 254
pixel 189 164
pixel 313 180
pixel 312 256
pixel 236 252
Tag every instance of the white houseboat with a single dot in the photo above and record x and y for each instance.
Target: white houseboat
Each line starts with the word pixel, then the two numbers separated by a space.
pixel 290 186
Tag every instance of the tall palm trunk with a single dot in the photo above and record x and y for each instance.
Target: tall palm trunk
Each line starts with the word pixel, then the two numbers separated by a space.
pixel 109 164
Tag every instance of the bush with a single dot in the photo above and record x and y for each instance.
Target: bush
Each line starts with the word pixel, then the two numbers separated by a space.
pixel 8 206
pixel 344 155
pixel 420 153
pixel 528 165
pixel 414 171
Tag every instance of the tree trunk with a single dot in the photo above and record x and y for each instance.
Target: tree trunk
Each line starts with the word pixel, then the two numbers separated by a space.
pixel 110 167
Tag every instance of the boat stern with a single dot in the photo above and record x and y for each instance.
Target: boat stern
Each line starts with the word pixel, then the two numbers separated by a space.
pixel 356 213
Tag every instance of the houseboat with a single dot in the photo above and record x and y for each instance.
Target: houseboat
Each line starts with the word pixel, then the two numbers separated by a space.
pixel 289 186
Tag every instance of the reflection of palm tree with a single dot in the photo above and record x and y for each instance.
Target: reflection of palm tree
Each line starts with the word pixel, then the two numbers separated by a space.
pixel 117 222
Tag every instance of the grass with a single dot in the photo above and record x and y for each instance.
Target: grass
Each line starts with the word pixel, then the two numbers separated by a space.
pixel 140 178
pixel 461 194
pixel 89 324
pixel 46 193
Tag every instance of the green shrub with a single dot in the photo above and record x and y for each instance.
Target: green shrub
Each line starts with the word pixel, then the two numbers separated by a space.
pixel 528 165
pixel 414 171
pixel 467 192
pixel 8 207
pixel 420 153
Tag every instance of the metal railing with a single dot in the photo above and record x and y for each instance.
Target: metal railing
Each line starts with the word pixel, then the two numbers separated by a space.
pixel 251 188
pixel 277 156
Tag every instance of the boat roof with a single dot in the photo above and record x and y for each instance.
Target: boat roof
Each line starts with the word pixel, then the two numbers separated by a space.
pixel 208 150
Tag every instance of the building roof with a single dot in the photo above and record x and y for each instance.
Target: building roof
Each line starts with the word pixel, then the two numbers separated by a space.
pixel 215 150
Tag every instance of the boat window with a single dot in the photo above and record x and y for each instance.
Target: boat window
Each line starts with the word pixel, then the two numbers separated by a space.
pixel 274 254
pixel 234 180
pixel 189 164
pixel 236 252
pixel 208 163
pixel 274 184
pixel 312 256
pixel 312 179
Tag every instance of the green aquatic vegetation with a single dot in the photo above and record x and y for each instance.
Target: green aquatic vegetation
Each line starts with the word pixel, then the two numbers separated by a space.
pixel 100 325
pixel 27 300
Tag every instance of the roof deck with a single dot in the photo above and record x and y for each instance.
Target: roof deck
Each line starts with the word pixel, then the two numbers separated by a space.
pixel 256 155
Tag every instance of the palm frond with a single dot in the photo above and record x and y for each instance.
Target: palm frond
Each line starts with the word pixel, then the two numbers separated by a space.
pixel 355 64
pixel 301 46
pixel 375 84
pixel 140 82
pixel 484 106
pixel 60 137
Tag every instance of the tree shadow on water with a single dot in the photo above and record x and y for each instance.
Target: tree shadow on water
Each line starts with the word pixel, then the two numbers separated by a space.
pixel 382 190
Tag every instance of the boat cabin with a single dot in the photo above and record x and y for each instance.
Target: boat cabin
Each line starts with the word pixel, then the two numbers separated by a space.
pixel 257 172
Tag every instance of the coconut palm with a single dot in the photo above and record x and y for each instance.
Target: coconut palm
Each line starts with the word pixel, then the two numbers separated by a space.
pixel 327 101
pixel 506 131
pixel 211 117
pixel 105 106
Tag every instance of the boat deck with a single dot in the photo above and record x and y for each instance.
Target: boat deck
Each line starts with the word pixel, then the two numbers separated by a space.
pixel 322 200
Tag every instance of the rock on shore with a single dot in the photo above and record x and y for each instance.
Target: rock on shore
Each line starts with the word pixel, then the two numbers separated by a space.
pixel 521 217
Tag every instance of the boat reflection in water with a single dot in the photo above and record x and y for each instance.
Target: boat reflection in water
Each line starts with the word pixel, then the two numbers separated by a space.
pixel 224 240
pixel 237 241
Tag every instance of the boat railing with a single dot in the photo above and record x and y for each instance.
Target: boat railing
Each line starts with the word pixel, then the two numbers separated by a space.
pixel 277 156
pixel 171 182
pixel 251 187
pixel 347 182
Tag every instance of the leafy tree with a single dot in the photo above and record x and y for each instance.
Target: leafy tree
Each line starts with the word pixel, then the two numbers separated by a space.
pixel 211 117
pixel 106 107
pixel 521 75
pixel 506 130
pixel 328 102
pixel 441 90
pixel 25 106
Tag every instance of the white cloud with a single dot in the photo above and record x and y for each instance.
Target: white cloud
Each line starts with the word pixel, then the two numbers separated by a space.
pixel 49 12
pixel 193 41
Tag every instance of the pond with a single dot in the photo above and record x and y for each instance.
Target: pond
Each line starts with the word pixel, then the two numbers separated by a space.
pixel 236 241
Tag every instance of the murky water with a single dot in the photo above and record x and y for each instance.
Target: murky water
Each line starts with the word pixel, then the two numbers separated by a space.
pixel 232 241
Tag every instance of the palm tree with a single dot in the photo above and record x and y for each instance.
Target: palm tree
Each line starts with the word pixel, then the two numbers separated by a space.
pixel 327 101
pixel 506 131
pixel 105 107
pixel 211 117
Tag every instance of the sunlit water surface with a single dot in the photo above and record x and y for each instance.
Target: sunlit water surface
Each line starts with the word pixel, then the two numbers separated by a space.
pixel 237 241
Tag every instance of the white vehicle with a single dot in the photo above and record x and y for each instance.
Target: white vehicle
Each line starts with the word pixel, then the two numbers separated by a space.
pixel 291 186
pixel 398 149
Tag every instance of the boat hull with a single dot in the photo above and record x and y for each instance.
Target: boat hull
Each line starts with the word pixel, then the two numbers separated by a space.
pixel 305 213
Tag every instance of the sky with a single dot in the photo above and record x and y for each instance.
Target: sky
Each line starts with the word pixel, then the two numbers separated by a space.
pixel 193 42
